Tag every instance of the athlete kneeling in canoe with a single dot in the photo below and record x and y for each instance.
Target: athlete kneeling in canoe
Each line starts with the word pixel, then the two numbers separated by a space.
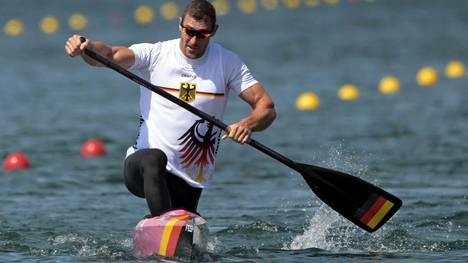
pixel 173 158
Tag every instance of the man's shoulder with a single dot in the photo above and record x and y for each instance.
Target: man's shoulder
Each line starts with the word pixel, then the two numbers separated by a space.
pixel 174 41
pixel 153 49
pixel 225 53
pixel 158 43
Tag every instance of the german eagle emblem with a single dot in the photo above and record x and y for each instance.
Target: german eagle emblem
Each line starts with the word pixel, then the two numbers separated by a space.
pixel 187 91
pixel 198 148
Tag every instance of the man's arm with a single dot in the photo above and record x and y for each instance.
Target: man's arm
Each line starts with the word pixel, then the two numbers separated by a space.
pixel 262 115
pixel 120 55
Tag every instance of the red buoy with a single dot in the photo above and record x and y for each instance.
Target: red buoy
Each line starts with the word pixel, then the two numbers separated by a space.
pixel 93 148
pixel 16 161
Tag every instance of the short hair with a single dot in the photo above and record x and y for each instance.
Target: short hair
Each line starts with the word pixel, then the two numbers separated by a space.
pixel 201 10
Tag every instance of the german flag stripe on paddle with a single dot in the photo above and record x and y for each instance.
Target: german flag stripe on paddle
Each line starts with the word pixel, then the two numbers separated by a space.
pixel 374 210
pixel 171 234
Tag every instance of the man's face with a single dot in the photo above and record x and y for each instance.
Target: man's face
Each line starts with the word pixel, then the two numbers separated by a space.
pixel 195 36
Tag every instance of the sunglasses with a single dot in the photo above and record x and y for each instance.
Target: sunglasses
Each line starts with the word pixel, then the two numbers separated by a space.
pixel 192 33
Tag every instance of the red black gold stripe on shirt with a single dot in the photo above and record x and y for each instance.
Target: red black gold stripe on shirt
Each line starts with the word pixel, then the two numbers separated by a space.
pixel 199 93
pixel 374 210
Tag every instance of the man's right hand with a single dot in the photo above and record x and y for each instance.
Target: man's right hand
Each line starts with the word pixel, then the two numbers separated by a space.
pixel 74 47
pixel 120 55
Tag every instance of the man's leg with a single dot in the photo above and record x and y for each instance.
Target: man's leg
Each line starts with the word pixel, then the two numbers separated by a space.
pixel 145 176
pixel 183 195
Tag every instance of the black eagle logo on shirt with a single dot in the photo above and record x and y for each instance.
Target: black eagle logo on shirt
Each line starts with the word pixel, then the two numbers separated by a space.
pixel 198 147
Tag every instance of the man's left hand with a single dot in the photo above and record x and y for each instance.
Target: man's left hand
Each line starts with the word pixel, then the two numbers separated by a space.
pixel 238 132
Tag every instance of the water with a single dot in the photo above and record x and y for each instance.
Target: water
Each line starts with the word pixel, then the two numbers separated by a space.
pixel 413 144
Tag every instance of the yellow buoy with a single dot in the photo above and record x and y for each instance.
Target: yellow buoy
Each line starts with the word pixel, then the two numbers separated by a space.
pixel 169 11
pixel 332 2
pixel 77 22
pixel 455 69
pixel 49 25
pixel 348 92
pixel 312 3
pixel 292 4
pixel 144 14
pixel 389 85
pixel 307 101
pixel 247 6
pixel 427 76
pixel 269 4
pixel 222 7
pixel 13 27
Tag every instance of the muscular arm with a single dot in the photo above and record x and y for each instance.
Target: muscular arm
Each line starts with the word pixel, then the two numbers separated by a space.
pixel 123 56
pixel 262 115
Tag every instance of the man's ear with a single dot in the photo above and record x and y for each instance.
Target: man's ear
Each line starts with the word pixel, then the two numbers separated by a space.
pixel 215 30
pixel 180 23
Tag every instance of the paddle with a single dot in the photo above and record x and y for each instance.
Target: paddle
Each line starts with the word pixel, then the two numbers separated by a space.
pixel 364 204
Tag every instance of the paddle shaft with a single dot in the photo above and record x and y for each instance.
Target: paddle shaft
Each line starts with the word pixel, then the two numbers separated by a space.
pixel 159 90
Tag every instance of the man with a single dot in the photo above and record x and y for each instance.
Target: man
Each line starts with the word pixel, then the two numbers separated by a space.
pixel 174 155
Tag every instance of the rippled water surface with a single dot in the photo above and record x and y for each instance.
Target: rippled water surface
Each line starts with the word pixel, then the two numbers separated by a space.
pixel 413 144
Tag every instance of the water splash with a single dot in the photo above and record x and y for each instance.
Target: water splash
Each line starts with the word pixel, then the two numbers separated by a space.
pixel 327 229
pixel 340 158
pixel 321 232
pixel 86 246
pixel 213 244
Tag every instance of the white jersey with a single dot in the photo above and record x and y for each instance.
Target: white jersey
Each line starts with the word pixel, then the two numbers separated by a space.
pixel 189 142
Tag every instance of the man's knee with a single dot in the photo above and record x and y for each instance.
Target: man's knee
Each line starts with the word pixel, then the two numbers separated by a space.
pixel 149 163
pixel 153 158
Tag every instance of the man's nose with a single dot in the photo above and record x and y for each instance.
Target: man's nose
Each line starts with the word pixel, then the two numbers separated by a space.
pixel 193 40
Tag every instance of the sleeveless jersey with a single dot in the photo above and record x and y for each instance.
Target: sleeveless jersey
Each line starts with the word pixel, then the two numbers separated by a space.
pixel 189 142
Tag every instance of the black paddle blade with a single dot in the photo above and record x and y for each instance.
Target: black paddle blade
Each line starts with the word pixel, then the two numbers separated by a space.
pixel 364 204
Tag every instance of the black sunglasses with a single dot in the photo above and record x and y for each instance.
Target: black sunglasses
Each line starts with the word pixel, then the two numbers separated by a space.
pixel 192 33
